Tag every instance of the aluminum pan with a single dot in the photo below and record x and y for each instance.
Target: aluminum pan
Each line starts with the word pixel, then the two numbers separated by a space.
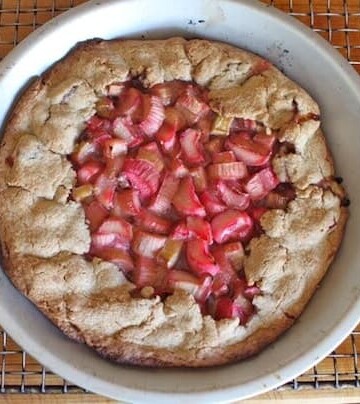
pixel 305 57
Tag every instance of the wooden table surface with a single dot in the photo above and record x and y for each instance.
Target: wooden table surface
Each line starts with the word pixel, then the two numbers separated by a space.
pixel 336 378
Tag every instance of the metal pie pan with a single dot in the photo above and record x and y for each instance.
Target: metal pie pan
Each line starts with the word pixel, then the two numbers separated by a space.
pixel 303 56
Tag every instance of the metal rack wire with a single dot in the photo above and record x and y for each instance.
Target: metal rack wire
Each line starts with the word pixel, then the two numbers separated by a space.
pixel 338 21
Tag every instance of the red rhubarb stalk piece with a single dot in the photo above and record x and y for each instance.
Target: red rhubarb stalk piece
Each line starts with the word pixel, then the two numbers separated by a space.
pixel 127 203
pixel 95 214
pixel 153 223
pixel 114 147
pixel 191 147
pixel 199 228
pixel 227 171
pixel 89 171
pixel 105 190
pixel 231 225
pixel 118 226
pixel 154 117
pixel 200 288
pixel 199 258
pixel 186 201
pixel 148 272
pixel 200 179
pixel 247 150
pixel 147 244
pixel 162 202
pixel 142 175
pixel 224 157
pixel 212 203
pixel 232 198
pixel 166 137
pixel 261 183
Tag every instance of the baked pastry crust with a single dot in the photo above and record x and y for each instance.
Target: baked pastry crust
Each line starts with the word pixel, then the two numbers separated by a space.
pixel 44 235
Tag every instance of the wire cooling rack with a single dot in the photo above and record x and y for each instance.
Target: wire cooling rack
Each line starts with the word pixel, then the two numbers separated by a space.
pixel 338 22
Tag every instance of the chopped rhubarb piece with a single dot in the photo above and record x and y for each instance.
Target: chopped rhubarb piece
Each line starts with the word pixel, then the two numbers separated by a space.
pixel 181 232
pixel 85 151
pixel 212 203
pixel 142 175
pixel 204 124
pixel 82 192
pixel 162 201
pixel 191 147
pixel 129 102
pixel 153 223
pixel 105 108
pixel 166 136
pixel 175 118
pixel 199 258
pixel 95 214
pixel 114 147
pixel 215 145
pixel 244 308
pixel 243 125
pixel 186 201
pixel 199 288
pixel 264 139
pixel 247 150
pixel 261 183
pixel 192 103
pixel 200 228
pixel 118 226
pixel 151 153
pixel 113 166
pixel 200 180
pixel 169 92
pixel 89 171
pixel 147 244
pixel 101 240
pixel 170 253
pixel 227 171
pixel 97 126
pixel 220 285
pixel 148 272
pixel 233 198
pixel 154 117
pixel 178 169
pixel 224 157
pixel 225 308
pixel 104 189
pixel 131 134
pixel 221 125
pixel 119 257
pixel 227 273
pixel 127 203
pixel 231 225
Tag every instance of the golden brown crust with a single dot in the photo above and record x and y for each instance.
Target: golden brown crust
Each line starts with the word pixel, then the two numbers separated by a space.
pixel 44 235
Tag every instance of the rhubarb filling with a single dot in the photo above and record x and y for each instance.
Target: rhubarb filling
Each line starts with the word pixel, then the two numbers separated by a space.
pixel 173 193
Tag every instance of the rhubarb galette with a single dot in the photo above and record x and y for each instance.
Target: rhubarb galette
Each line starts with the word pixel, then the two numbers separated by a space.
pixel 168 203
